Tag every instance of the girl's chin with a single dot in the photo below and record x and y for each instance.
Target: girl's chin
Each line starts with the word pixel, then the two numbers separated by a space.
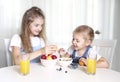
pixel 75 48
pixel 36 34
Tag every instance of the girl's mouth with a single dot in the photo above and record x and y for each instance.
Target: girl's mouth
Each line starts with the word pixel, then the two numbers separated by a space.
pixel 74 46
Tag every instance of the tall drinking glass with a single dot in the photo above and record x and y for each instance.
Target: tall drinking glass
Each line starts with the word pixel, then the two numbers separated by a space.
pixel 24 64
pixel 91 62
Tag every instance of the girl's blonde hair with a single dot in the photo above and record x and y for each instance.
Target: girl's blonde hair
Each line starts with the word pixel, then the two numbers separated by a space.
pixel 87 32
pixel 28 18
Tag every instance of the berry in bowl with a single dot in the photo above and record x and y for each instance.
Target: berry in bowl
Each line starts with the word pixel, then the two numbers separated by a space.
pixel 49 60
pixel 64 62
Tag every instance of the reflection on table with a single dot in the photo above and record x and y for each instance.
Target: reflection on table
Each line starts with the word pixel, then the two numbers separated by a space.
pixel 39 73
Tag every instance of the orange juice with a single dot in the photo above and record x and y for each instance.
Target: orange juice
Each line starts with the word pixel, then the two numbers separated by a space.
pixel 24 67
pixel 91 66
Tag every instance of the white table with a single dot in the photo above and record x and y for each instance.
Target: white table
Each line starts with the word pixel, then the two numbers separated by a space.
pixel 39 73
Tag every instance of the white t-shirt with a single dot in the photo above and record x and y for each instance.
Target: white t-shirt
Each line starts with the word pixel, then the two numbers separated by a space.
pixel 91 51
pixel 36 42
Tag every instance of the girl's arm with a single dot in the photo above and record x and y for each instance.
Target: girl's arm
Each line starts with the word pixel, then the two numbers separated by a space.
pixel 45 50
pixel 102 63
pixel 16 53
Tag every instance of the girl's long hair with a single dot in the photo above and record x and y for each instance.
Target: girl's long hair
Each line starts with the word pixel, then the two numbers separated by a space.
pixel 28 18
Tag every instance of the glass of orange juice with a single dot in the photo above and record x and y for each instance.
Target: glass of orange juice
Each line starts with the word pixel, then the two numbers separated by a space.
pixel 24 64
pixel 91 62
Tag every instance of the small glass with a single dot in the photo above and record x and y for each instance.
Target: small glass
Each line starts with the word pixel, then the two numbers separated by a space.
pixel 91 62
pixel 24 64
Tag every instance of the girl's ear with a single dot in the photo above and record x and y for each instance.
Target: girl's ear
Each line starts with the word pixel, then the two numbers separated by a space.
pixel 88 42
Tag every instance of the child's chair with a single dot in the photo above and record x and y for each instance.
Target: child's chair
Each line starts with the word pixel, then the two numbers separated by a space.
pixel 8 54
pixel 105 48
pixel 5 56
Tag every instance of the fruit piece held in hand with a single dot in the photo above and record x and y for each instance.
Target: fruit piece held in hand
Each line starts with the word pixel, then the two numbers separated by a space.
pixel 54 57
pixel 43 57
pixel 49 58
pixel 81 63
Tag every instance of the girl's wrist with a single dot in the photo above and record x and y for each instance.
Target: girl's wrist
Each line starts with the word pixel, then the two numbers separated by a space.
pixel 42 51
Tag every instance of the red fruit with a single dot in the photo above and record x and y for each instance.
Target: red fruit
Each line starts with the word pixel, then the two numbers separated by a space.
pixel 54 57
pixel 43 57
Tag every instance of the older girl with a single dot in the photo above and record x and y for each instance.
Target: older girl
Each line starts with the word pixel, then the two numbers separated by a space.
pixel 32 39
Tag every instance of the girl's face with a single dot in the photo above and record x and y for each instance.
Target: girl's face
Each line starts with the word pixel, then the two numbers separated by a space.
pixel 36 26
pixel 79 42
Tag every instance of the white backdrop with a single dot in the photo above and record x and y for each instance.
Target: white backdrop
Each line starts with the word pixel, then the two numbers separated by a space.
pixel 62 17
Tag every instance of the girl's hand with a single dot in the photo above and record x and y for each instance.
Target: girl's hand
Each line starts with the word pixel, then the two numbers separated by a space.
pixel 83 62
pixel 51 49
pixel 62 52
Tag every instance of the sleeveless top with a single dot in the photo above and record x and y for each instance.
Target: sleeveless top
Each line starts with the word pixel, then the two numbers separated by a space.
pixel 76 59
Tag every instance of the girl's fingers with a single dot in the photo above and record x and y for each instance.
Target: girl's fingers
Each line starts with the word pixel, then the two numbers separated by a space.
pixel 51 49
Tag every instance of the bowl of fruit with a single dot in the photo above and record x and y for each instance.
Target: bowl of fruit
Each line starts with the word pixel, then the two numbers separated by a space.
pixel 48 60
pixel 64 62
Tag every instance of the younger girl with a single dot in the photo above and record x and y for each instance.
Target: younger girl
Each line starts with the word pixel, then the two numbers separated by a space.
pixel 32 39
pixel 81 45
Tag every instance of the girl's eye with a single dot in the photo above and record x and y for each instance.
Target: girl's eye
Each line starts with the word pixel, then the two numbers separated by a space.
pixel 73 39
pixel 36 25
pixel 77 41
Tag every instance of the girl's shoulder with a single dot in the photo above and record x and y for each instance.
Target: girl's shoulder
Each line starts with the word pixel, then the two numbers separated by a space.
pixel 15 41
pixel 93 51
pixel 16 36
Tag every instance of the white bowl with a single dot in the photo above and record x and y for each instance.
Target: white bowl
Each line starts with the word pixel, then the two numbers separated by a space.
pixel 64 61
pixel 48 63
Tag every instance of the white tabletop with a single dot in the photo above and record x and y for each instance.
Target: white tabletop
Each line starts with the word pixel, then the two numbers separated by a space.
pixel 39 73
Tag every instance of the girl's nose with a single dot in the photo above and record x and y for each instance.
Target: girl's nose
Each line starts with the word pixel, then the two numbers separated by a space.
pixel 39 28
pixel 73 41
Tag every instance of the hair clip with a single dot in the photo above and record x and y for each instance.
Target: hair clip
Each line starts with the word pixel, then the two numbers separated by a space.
pixel 97 32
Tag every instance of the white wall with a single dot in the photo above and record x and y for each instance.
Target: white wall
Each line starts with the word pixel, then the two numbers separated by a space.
pixel 11 12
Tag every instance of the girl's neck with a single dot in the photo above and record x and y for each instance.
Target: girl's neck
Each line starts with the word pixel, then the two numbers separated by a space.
pixel 81 51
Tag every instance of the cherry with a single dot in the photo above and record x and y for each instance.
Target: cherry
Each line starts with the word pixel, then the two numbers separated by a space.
pixel 43 56
pixel 54 57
